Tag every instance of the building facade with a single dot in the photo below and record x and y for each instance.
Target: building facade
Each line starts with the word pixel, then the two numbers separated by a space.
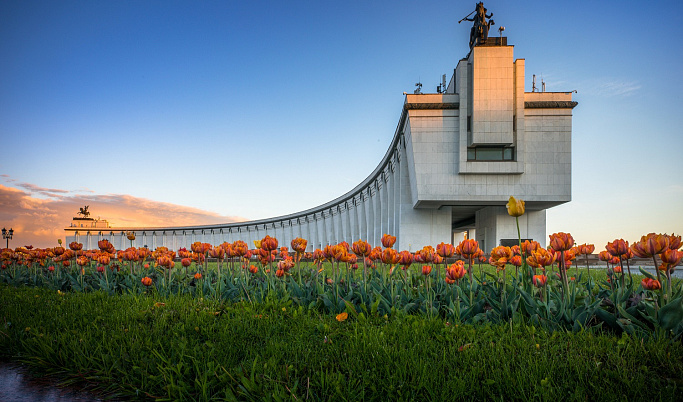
pixel 455 159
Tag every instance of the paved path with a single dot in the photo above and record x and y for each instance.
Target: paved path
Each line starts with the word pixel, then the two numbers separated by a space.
pixel 16 384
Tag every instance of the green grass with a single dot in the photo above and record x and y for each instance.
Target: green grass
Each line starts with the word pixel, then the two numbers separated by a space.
pixel 199 349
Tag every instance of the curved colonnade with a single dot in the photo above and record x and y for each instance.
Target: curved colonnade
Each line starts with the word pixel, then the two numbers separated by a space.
pixel 366 212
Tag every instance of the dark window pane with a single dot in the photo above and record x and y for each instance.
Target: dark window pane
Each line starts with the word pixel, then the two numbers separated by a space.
pixel 471 154
pixel 489 154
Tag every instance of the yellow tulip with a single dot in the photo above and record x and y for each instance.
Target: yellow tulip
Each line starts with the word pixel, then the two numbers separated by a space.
pixel 515 207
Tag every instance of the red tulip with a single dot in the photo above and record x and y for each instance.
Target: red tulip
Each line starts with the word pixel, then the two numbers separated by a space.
pixel 186 262
pixel 651 284
pixel 147 281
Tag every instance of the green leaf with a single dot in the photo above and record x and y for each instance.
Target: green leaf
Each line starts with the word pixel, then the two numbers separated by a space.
pixel 633 319
pixel 350 308
pixel 671 315
pixel 644 272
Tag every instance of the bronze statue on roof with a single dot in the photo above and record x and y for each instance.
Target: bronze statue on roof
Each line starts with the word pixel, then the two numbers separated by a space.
pixel 480 28
pixel 84 211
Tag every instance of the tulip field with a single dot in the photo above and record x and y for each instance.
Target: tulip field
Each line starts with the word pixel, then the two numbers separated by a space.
pixel 350 321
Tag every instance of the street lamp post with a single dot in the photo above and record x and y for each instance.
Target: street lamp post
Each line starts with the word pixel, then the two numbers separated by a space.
pixel 7 235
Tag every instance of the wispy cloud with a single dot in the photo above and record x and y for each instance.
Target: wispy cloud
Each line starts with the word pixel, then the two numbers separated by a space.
pixel 615 88
pixel 41 221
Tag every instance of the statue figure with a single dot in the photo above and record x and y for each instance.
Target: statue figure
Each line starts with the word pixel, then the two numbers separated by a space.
pixel 84 211
pixel 480 28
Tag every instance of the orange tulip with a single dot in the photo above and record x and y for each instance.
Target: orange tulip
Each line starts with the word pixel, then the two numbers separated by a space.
pixel 541 258
pixel 561 241
pixel 445 250
pixel 198 276
pixel 103 259
pixel 530 246
pixel 269 243
pixel 516 260
pixel 586 249
pixel 405 258
pixel 617 248
pixel 651 284
pixel 605 256
pixel 299 245
pixel 389 256
pixel 253 269
pixel 388 240
pixel 285 264
pixel 455 272
pixel 671 257
pixel 342 317
pixel 240 248
pixel 515 207
pixel 130 236
pixel 75 246
pixel 539 280
pixel 280 273
pixel 361 248
pixel 147 281
pixel 674 242
pixel 427 254
pixel 650 245
pixel 217 253
pixel 426 270
pixel 376 253
pixel 186 262
pixel 501 253
pixel 468 248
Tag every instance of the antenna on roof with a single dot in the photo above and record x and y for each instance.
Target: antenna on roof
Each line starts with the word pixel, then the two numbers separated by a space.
pixel 418 88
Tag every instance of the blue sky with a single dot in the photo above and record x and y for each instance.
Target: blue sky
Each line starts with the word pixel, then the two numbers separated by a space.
pixel 247 110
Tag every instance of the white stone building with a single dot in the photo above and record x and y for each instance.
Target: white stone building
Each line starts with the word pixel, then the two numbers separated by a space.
pixel 455 159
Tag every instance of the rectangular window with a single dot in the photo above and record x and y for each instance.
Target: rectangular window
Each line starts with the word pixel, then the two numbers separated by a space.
pixel 497 153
